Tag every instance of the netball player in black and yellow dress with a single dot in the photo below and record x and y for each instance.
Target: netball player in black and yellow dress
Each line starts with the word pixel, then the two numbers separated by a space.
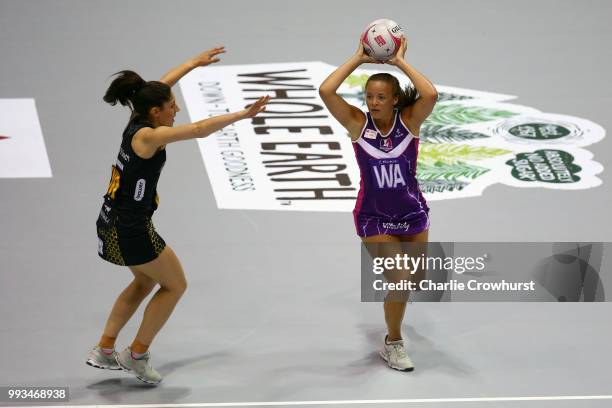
pixel 126 235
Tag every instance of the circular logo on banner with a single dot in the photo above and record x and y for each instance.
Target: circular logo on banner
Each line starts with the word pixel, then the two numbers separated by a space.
pixel 532 129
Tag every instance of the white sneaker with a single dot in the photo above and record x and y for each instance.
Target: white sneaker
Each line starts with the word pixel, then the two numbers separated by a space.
pixel 394 353
pixel 99 359
pixel 139 367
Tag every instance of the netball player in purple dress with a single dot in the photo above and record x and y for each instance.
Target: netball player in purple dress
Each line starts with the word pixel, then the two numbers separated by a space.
pixel 390 207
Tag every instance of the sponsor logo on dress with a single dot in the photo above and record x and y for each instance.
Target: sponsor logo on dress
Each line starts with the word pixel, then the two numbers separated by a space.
pixel 124 155
pixel 104 217
pixel 140 189
pixel 370 134
pixel 396 225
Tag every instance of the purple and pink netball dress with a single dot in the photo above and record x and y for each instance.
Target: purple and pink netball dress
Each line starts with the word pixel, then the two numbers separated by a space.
pixel 389 200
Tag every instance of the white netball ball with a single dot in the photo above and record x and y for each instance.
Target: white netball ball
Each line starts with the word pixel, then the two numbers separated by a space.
pixel 382 39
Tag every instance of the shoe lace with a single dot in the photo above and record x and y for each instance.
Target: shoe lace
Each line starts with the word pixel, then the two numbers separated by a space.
pixel 400 351
pixel 145 364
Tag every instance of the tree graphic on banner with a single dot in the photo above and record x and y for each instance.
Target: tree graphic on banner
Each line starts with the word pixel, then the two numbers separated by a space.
pixel 444 134
pixel 453 114
pixel 445 171
pixel 450 153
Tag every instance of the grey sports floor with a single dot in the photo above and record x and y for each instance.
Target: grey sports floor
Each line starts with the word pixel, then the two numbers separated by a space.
pixel 272 312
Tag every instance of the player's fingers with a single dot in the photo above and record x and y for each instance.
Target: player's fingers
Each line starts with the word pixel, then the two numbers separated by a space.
pixel 263 100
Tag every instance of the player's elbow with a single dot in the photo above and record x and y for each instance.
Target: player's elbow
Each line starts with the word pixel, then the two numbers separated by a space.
pixel 325 92
pixel 431 95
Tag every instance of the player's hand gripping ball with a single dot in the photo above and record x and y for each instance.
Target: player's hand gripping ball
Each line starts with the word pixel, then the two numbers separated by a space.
pixel 382 39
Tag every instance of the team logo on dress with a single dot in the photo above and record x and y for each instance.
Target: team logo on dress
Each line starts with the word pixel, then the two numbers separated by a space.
pixel 398 133
pixel 386 144
pixel 370 134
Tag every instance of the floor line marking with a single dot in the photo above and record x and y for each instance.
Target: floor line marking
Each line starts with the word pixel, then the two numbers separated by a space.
pixel 338 402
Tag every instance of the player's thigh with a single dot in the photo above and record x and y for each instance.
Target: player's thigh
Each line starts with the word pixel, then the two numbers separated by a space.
pixel 166 270
pixel 422 236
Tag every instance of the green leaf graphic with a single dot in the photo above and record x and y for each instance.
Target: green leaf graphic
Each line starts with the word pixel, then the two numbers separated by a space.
pixel 451 153
pixel 445 134
pixel 445 96
pixel 444 171
pixel 357 80
pixel 453 114
pixel 440 186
